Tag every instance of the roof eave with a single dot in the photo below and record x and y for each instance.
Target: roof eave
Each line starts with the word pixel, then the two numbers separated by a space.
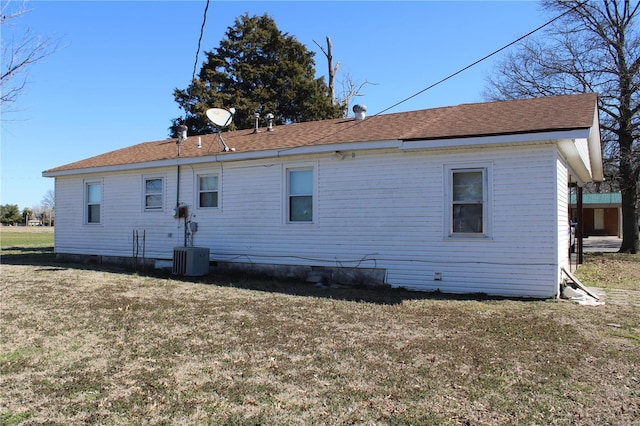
pixel 589 169
pixel 513 138
pixel 595 149
pixel 229 157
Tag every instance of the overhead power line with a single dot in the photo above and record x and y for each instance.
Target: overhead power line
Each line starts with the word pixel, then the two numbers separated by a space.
pixel 204 21
pixel 495 52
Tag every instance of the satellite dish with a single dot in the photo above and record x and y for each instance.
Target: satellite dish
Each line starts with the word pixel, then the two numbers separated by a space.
pixel 220 117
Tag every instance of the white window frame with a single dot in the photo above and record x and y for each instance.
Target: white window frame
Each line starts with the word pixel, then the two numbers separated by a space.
pixel 86 203
pixel 487 196
pixel 145 194
pixel 199 190
pixel 287 169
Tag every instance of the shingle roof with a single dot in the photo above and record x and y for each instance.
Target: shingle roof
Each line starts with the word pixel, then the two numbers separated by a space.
pixel 466 120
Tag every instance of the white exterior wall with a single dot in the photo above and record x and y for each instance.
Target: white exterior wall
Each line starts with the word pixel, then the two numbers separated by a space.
pixel 122 212
pixel 564 230
pixel 373 210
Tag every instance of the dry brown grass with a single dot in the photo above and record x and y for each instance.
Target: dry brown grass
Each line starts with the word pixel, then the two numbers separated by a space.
pixel 612 271
pixel 94 346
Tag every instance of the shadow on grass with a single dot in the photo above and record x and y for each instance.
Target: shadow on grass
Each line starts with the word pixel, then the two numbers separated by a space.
pixel 22 251
pixel 35 256
pixel 45 259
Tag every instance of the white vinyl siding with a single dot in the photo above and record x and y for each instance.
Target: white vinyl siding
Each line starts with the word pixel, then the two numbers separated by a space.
pixel 380 209
pixel 121 214
pixel 563 220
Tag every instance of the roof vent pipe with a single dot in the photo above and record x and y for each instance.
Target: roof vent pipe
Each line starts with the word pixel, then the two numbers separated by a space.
pixel 256 115
pixel 182 136
pixel 269 118
pixel 182 133
pixel 360 111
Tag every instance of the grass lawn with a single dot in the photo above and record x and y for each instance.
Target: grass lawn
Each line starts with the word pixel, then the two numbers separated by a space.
pixel 84 345
pixel 20 237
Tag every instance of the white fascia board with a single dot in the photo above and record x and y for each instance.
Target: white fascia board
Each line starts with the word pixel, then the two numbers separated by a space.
pixel 570 152
pixel 347 146
pixel 595 149
pixel 232 156
pixel 494 140
pixel 116 168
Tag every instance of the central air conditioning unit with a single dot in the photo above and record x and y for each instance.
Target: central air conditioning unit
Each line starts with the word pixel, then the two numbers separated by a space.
pixel 190 261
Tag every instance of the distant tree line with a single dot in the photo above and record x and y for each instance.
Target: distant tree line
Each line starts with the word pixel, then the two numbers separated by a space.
pixel 10 214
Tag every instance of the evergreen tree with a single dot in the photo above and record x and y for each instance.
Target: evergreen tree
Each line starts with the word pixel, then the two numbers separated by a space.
pixel 256 68
pixel 10 214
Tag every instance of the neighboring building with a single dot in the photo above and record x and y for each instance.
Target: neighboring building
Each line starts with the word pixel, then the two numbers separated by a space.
pixel 471 198
pixel 602 213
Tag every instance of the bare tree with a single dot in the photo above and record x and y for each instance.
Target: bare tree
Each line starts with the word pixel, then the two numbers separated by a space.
pixel 48 204
pixel 594 47
pixel 350 88
pixel 37 212
pixel 333 70
pixel 18 54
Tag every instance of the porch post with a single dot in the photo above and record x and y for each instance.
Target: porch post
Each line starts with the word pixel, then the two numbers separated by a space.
pixel 579 226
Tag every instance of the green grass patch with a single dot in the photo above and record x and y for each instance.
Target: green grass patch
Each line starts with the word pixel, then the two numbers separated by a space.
pixel 11 237
pixel 25 244
pixel 8 418
pixel 634 338
pixel 16 360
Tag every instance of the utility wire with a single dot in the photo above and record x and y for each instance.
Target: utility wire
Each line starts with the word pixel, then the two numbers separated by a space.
pixel 495 52
pixel 204 21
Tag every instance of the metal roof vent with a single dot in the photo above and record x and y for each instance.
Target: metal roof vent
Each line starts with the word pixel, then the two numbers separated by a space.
pixel 269 118
pixel 182 133
pixel 360 111
pixel 256 115
pixel 182 136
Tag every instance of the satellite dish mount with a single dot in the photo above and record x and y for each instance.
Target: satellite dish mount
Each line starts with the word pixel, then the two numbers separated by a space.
pixel 221 118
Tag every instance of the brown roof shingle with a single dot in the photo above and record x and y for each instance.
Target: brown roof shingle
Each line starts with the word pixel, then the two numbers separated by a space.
pixel 466 120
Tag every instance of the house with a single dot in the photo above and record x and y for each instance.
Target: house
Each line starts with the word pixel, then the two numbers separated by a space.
pixel 472 198
pixel 601 213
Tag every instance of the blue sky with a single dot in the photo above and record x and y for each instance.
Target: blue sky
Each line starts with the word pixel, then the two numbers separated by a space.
pixel 110 84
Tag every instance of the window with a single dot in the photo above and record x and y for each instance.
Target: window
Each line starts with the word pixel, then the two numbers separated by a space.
pixel 208 191
pixel 93 201
pixel 300 195
pixel 468 205
pixel 153 193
